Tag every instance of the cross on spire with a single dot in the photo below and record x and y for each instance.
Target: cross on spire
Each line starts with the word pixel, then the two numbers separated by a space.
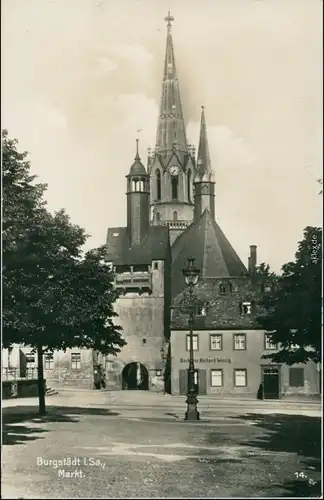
pixel 169 20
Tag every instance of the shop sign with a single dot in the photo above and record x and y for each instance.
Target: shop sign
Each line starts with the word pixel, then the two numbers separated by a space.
pixel 207 360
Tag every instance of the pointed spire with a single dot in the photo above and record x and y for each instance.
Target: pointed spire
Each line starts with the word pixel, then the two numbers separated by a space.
pixel 171 132
pixel 204 169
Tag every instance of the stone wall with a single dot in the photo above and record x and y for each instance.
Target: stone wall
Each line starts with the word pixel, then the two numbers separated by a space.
pixel 19 389
pixel 145 322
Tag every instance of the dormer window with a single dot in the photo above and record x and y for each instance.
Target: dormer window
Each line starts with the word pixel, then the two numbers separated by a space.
pixel 202 310
pixel 225 288
pixel 246 308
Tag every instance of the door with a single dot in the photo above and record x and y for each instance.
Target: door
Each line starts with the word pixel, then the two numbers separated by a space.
pixel 270 383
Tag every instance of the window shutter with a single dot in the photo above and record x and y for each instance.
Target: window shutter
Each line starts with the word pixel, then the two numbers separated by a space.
pixel 202 383
pixel 296 377
pixel 183 381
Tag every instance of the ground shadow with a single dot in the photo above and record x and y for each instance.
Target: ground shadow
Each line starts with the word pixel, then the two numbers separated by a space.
pixel 19 434
pixel 288 433
pixel 296 434
pixel 15 434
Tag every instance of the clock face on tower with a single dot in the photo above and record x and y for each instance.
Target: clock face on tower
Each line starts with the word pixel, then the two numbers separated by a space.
pixel 174 170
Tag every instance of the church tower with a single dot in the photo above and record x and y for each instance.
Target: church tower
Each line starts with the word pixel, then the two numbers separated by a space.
pixel 171 165
pixel 204 181
pixel 138 194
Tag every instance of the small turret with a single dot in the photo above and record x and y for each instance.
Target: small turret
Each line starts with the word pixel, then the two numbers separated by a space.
pixel 138 193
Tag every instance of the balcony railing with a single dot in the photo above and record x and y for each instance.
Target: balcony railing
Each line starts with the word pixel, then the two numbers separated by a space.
pixel 134 280
pixel 172 224
pixel 16 373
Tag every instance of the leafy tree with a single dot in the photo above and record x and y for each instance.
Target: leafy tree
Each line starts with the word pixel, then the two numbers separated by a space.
pixel 292 310
pixel 264 270
pixel 54 297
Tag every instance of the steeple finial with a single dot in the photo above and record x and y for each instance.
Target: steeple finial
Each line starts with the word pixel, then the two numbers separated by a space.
pixel 169 20
pixel 137 156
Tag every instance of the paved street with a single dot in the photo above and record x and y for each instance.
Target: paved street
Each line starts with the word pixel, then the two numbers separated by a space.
pixel 137 445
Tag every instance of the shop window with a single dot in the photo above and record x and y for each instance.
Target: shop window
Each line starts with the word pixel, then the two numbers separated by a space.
pixel 216 378
pixel 240 378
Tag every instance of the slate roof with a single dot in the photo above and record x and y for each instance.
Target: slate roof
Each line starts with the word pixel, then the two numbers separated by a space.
pixel 214 255
pixel 137 168
pixel 155 246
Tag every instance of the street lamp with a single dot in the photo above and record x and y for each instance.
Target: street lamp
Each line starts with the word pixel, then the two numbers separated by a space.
pixel 189 306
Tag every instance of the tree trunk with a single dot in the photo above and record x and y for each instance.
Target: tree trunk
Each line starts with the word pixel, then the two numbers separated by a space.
pixel 41 385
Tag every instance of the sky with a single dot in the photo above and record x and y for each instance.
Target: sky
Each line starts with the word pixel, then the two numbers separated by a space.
pixel 80 77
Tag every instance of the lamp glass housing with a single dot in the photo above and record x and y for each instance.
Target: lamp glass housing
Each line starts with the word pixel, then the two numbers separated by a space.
pixel 191 273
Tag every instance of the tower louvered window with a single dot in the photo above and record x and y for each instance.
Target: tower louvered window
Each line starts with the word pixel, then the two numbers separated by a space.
pixel 158 185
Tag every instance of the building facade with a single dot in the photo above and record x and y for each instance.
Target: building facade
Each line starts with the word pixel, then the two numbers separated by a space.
pixel 170 217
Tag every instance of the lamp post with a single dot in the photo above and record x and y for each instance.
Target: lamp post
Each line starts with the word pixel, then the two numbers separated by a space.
pixel 189 306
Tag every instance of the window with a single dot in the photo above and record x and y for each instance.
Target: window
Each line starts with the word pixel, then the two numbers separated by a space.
pixel 194 342
pixel 158 184
pixel 144 341
pixel 30 360
pixel 296 377
pixel 175 216
pixel 225 288
pixel 75 361
pixel 216 378
pixel 239 341
pixel 158 216
pixel 201 310
pixel 174 186
pixel 240 377
pixel 189 185
pixel 268 345
pixel 216 342
pixel 156 265
pixel 49 361
pixel 246 308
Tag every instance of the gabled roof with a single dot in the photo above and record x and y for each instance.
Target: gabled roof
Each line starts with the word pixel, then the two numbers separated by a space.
pixel 214 255
pixel 155 246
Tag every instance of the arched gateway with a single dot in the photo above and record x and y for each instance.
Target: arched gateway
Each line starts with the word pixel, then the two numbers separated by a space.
pixel 135 376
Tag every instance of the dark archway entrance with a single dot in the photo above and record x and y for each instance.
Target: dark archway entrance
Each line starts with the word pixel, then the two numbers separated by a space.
pixel 135 377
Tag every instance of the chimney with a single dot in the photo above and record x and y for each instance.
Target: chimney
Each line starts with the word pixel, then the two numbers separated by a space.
pixel 252 259
pixel 249 265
